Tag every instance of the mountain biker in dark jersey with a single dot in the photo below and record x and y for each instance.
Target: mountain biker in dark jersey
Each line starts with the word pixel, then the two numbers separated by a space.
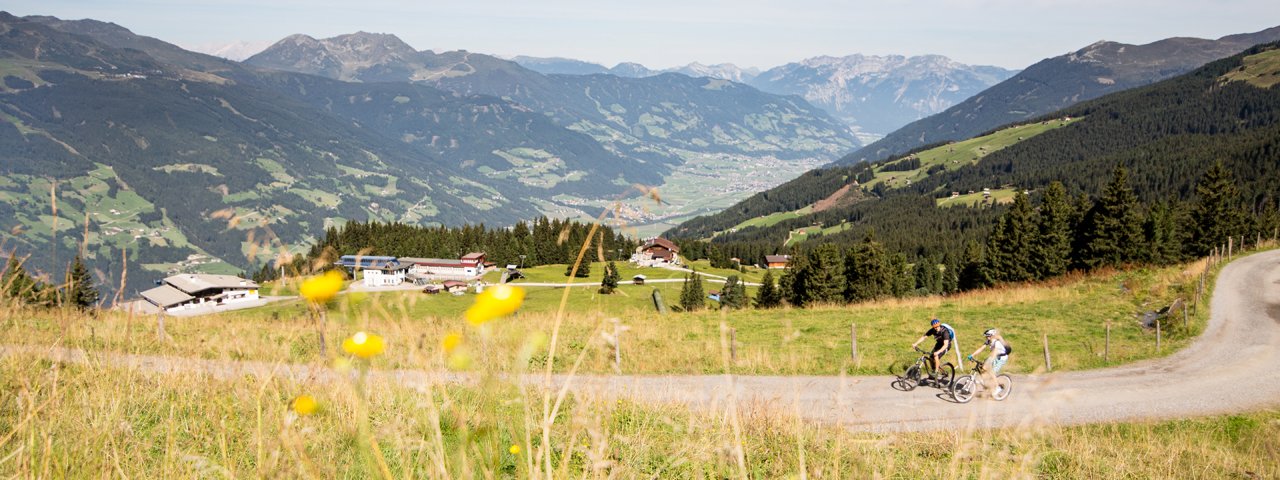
pixel 940 346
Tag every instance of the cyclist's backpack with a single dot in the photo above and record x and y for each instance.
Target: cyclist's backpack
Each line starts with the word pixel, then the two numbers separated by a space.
pixel 1007 347
pixel 953 334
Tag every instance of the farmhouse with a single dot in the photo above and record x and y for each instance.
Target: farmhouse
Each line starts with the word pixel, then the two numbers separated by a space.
pixel 777 261
pixel 377 271
pixel 192 290
pixel 469 266
pixel 657 251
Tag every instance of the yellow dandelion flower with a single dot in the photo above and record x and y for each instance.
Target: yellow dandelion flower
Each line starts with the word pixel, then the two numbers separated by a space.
pixel 364 345
pixel 515 449
pixel 305 405
pixel 451 341
pixel 322 288
pixel 496 302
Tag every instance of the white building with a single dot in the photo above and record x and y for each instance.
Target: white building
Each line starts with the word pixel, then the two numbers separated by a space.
pixel 469 266
pixel 192 290
pixel 388 275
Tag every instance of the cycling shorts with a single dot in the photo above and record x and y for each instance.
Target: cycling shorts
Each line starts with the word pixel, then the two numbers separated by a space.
pixel 998 363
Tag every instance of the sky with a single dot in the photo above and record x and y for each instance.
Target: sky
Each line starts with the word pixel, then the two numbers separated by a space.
pixel 667 33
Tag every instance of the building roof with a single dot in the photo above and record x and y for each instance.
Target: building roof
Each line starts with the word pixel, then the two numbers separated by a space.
pixel 473 256
pixel 435 262
pixel 661 242
pixel 454 283
pixel 364 261
pixel 777 258
pixel 197 282
pixel 166 296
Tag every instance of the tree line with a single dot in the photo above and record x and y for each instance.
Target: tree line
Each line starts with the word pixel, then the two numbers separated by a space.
pixel 526 244
pixel 19 287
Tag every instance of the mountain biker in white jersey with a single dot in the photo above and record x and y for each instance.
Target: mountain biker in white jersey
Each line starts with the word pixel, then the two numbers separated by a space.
pixel 1000 350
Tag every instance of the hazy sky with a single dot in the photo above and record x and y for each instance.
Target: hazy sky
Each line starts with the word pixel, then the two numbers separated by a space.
pixel 664 33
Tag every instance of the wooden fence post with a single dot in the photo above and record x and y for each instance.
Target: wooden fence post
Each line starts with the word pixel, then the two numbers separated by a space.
pixel 853 342
pixel 1106 347
pixel 1157 335
pixel 1186 326
pixel 1048 363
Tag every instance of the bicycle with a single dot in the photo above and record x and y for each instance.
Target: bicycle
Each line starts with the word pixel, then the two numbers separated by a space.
pixel 913 378
pixel 967 386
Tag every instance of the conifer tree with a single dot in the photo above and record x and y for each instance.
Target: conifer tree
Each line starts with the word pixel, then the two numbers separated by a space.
pixel 769 295
pixel 1112 229
pixel 793 284
pixel 1009 246
pixel 584 270
pixel 17 285
pixel 610 281
pixel 1216 214
pixel 868 271
pixel 826 278
pixel 1160 231
pixel 79 289
pixel 734 294
pixel 1051 249
pixel 973 273
pixel 692 296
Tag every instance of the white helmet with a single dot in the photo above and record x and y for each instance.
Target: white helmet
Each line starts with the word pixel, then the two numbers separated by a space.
pixel 991 332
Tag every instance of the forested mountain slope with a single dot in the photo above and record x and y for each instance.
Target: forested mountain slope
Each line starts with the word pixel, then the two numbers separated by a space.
pixel 1167 135
pixel 1059 82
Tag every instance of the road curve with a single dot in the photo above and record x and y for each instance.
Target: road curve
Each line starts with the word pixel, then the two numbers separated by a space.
pixel 1230 368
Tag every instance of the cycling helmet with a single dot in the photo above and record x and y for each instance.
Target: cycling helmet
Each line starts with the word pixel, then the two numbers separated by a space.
pixel 991 332
pixel 934 322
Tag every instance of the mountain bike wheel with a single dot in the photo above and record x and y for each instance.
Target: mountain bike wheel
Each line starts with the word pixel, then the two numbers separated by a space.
pixel 964 388
pixel 911 379
pixel 946 375
pixel 1004 385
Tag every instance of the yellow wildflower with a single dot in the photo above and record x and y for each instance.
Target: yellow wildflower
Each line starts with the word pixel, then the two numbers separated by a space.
pixel 364 345
pixel 515 449
pixel 305 405
pixel 451 341
pixel 322 288
pixel 496 302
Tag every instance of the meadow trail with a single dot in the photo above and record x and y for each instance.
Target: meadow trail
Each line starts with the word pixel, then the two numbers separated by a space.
pixel 1230 368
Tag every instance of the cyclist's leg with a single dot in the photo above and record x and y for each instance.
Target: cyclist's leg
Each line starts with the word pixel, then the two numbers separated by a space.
pixel 998 363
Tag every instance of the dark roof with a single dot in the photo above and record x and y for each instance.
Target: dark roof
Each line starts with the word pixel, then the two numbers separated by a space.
pixel 777 258
pixel 365 261
pixel 662 242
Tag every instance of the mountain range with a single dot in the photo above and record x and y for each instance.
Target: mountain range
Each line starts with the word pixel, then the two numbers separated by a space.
pixel 1059 82
pixel 874 95
pixel 121 145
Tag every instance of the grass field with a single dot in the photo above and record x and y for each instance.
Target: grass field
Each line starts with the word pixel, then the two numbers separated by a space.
pixel 88 420
pixel 999 195
pixel 1072 312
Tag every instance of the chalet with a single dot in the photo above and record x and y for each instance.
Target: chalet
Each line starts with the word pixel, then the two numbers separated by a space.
pixel 377 271
pixel 659 250
pixel 469 266
pixel 193 290
pixel 777 261
pixel 455 287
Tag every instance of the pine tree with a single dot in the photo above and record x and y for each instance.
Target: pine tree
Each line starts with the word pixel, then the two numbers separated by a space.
pixel 692 296
pixel 1216 215
pixel 793 284
pixel 769 295
pixel 1009 246
pixel 973 273
pixel 868 271
pixel 734 294
pixel 17 285
pixel 1051 250
pixel 610 281
pixel 1163 240
pixel 1112 229
pixel 79 289
pixel 584 270
pixel 826 280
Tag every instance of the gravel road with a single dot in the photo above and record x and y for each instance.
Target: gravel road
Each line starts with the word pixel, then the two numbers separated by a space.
pixel 1232 367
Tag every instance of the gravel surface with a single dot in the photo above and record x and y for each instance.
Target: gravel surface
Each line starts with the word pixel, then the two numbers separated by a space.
pixel 1232 367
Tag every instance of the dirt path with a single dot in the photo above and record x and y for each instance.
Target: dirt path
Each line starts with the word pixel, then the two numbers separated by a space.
pixel 1230 368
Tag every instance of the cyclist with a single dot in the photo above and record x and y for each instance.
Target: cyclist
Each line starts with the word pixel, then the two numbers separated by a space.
pixel 1000 350
pixel 941 345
